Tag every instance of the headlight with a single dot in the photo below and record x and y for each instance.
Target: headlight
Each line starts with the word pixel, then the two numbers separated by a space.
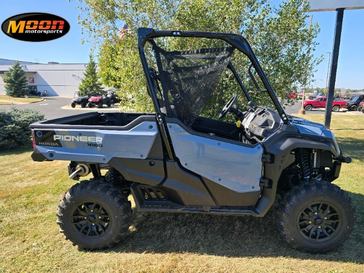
pixel 336 145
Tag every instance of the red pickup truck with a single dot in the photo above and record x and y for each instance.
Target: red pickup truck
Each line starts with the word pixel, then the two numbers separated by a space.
pixel 320 102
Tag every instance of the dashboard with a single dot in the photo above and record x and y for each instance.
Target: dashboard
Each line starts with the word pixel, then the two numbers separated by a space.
pixel 259 123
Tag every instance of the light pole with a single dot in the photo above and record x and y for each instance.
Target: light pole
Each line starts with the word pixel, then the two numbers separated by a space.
pixel 328 68
pixel 302 110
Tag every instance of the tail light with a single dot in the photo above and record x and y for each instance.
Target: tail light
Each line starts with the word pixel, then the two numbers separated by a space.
pixel 33 141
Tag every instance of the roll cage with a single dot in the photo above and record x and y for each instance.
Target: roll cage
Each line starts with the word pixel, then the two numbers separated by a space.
pixel 147 35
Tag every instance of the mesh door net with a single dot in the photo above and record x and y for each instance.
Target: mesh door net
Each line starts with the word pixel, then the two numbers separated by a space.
pixel 190 77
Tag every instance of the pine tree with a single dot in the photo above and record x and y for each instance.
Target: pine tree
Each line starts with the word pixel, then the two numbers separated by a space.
pixel 16 81
pixel 90 82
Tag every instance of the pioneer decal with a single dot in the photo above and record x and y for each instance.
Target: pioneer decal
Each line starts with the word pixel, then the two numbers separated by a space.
pixel 66 140
pixel 77 138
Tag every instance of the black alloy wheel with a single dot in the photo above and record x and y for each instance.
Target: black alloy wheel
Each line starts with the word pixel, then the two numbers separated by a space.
pixel 94 214
pixel 319 222
pixel 91 219
pixel 316 216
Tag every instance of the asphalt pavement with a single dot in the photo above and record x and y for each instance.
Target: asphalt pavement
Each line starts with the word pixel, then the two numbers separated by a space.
pixel 56 107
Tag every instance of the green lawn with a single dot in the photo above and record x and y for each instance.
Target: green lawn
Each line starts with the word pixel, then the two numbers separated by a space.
pixel 4 99
pixel 161 242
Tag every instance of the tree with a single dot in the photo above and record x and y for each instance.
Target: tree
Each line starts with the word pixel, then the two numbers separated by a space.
pixel 280 36
pixel 16 81
pixel 90 82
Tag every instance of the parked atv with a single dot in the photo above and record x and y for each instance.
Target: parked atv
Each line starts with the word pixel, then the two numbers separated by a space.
pixel 353 104
pixel 361 107
pixel 99 101
pixel 113 97
pixel 79 100
pixel 189 158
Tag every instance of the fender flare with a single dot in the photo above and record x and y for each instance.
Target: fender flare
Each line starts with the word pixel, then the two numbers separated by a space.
pixel 281 149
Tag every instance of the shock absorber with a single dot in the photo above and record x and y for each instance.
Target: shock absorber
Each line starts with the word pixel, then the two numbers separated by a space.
pixel 110 175
pixel 114 177
pixel 304 162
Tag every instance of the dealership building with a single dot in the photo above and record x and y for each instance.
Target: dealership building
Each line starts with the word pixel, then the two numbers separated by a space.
pixel 57 79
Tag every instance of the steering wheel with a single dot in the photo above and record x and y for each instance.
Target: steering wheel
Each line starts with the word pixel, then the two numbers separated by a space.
pixel 227 106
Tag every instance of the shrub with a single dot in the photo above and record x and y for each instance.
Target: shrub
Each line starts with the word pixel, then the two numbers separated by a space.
pixel 14 127
pixel 16 81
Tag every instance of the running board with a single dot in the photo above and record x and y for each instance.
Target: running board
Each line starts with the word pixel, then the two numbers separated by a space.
pixel 149 199
pixel 218 210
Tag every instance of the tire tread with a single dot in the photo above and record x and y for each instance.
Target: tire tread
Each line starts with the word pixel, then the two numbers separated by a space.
pixel 292 198
pixel 106 192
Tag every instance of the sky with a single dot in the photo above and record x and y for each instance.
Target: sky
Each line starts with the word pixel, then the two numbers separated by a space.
pixel 69 49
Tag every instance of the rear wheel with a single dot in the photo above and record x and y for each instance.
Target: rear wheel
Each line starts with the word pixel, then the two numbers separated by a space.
pixel 73 105
pixel 316 216
pixel 83 105
pixel 99 104
pixel 336 108
pixel 308 107
pixel 94 214
pixel 353 108
pixel 90 105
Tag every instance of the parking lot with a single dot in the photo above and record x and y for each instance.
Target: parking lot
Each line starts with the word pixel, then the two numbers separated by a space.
pixel 55 107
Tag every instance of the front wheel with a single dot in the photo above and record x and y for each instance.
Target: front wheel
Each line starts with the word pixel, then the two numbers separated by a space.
pixel 316 216
pixel 94 214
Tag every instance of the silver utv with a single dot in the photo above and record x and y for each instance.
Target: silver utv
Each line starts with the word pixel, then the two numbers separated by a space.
pixel 191 156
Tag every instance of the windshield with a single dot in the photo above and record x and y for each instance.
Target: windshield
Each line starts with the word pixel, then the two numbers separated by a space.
pixel 198 76
pixel 355 98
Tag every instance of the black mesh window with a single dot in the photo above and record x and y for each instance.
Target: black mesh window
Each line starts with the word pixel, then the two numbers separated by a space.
pixel 190 78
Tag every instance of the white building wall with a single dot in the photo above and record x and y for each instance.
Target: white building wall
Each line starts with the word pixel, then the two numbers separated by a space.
pixel 57 79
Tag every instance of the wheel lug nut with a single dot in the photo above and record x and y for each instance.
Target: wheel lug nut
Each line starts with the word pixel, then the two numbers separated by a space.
pixel 99 217
pixel 92 210
pixel 315 213
pixel 85 217
pixel 319 227
pixel 309 222
pixel 325 218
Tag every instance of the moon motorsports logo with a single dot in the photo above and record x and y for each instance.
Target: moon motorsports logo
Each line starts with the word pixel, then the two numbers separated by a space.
pixel 35 27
